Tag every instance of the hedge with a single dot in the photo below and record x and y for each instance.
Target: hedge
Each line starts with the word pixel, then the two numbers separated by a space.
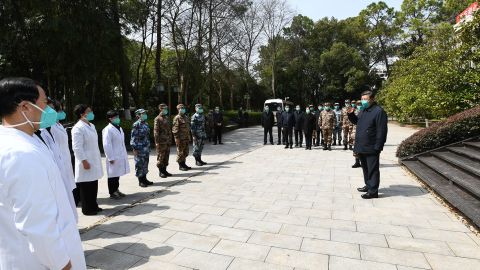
pixel 456 128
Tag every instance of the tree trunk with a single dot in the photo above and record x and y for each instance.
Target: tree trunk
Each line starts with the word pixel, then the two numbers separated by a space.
pixel 210 48
pixel 158 54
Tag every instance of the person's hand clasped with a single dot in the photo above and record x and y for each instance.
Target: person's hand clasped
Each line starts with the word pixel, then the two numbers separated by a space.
pixel 86 165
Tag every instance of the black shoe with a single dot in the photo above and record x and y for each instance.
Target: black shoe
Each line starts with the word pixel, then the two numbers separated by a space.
pixel 143 184
pixel 90 213
pixel 162 173
pixel 369 196
pixel 279 144
pixel 286 147
pixel 167 173
pixel 329 147
pixel 306 148
pixel 291 147
pixel 350 147
pixel 115 196
pixel 356 165
pixel 325 148
pixel 214 143
pixel 99 209
pixel 272 143
pixel 186 166
pixel 363 189
pixel 181 167
pixel 264 143
pixel 120 193
pixel 203 162
pixel 335 143
pixel 345 147
pixel 148 182
pixel 197 162
pixel 220 143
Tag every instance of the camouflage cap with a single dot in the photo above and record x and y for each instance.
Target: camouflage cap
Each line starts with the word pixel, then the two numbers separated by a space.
pixel 140 111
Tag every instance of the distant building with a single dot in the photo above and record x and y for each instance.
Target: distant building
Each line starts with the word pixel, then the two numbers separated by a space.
pixel 466 16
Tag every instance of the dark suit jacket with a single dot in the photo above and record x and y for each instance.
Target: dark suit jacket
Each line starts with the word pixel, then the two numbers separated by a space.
pixel 267 119
pixel 372 128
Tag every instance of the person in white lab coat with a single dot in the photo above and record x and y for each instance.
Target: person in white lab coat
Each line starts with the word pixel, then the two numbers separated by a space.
pixel 88 161
pixel 37 227
pixel 113 140
pixel 55 137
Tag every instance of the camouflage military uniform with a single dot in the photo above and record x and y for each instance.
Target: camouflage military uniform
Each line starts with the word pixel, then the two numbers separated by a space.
pixel 327 122
pixel 198 133
pixel 162 132
pixel 347 127
pixel 140 142
pixel 353 129
pixel 181 132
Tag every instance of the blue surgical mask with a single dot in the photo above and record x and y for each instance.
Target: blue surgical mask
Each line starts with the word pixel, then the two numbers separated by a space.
pixel 144 117
pixel 61 115
pixel 116 121
pixel 49 116
pixel 320 108
pixel 200 110
pixel 364 103
pixel 183 111
pixel 90 116
pixel 164 111
pixel 337 107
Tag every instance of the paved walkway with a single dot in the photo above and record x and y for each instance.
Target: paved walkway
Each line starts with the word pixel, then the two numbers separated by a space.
pixel 264 207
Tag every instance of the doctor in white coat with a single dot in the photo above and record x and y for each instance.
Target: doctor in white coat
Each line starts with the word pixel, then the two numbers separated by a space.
pixel 116 160
pixel 37 227
pixel 88 161
pixel 56 139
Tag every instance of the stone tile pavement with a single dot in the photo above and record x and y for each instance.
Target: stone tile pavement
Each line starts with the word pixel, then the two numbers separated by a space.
pixel 265 207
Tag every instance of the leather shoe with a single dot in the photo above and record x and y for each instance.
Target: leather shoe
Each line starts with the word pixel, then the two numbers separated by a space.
pixel 143 184
pixel 363 189
pixel 369 196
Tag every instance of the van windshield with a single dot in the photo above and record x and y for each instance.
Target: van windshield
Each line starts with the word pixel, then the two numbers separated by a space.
pixel 273 106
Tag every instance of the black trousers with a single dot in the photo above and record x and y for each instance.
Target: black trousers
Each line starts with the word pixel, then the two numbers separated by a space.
pixel 308 139
pixel 265 132
pixel 88 196
pixel 113 184
pixel 288 135
pixel 217 134
pixel 319 137
pixel 371 171
pixel 279 129
pixel 298 134
pixel 76 195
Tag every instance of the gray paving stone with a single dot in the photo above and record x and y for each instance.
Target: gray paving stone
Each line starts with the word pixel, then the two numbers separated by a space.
pixel 243 264
pixel 359 238
pixel 420 245
pixel 394 256
pixel 297 259
pixel 276 240
pixel 305 231
pixel 241 250
pixel 216 220
pixel 331 248
pixel 193 241
pixel 341 263
pixel 233 234
pixel 439 262
pixel 111 259
pixel 185 226
pixel 255 225
pixel 202 260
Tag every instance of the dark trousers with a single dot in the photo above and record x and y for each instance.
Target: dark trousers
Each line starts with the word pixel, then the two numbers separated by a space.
pixel 265 132
pixel 308 139
pixel 337 133
pixel 288 135
pixel 113 184
pixel 371 171
pixel 217 134
pixel 298 134
pixel 76 195
pixel 319 137
pixel 279 129
pixel 88 196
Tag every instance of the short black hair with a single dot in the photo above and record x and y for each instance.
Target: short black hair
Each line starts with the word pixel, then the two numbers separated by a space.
pixel 80 109
pixel 368 93
pixel 112 113
pixel 15 90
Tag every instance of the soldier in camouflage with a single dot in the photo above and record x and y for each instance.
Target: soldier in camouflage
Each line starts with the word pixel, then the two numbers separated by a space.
pixel 140 143
pixel 346 125
pixel 181 133
pixel 327 122
pixel 198 134
pixel 162 133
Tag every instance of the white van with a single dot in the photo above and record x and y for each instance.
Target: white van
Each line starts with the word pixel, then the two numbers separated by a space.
pixel 273 104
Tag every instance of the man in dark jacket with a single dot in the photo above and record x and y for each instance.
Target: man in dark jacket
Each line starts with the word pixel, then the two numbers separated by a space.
pixel 288 123
pixel 308 127
pixel 318 127
pixel 217 126
pixel 370 137
pixel 278 116
pixel 298 126
pixel 267 124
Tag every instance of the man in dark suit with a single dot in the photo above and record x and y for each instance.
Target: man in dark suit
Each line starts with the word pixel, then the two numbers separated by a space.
pixel 288 122
pixel 267 124
pixel 371 135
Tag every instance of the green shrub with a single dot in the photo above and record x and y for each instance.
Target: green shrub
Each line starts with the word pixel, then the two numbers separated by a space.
pixel 456 128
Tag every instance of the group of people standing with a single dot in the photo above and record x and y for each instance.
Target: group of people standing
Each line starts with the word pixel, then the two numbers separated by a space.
pixel 363 124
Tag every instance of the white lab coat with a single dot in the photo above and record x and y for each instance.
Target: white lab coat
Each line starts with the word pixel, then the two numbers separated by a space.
pixel 85 147
pixel 37 226
pixel 56 140
pixel 114 147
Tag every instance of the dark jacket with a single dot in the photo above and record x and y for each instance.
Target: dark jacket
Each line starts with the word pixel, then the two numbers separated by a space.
pixel 317 116
pixel 372 128
pixel 217 118
pixel 309 123
pixel 288 120
pixel 267 119
pixel 299 115
pixel 278 115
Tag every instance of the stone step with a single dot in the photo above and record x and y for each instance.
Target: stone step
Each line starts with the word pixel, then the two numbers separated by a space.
pixel 454 174
pixel 469 152
pixel 457 197
pixel 473 144
pixel 466 164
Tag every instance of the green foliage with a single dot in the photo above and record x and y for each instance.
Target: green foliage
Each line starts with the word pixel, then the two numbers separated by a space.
pixel 458 127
